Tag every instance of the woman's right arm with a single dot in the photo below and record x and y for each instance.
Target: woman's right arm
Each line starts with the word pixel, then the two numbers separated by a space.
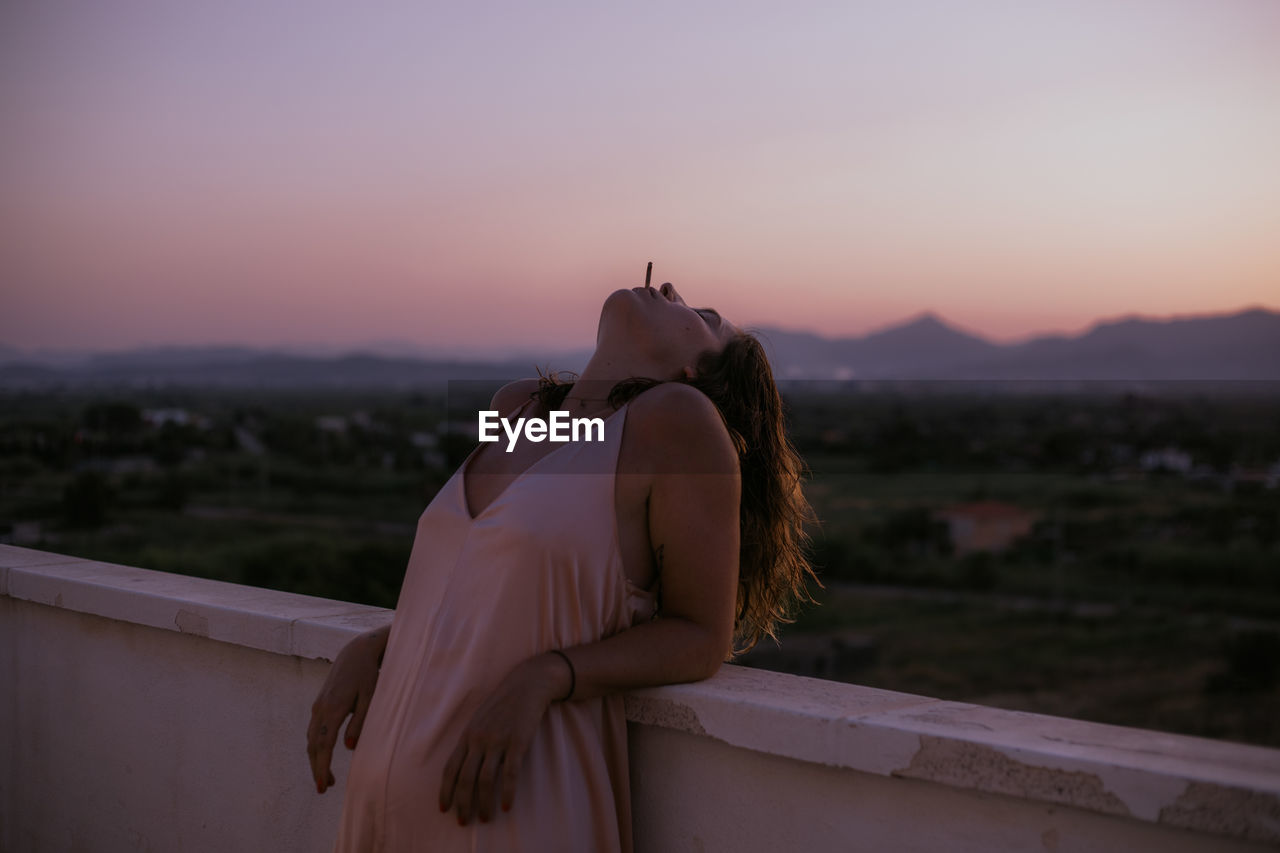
pixel 348 690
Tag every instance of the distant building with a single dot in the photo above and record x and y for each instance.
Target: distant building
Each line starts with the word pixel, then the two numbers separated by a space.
pixel 336 424
pixel 178 417
pixel 160 417
pixel 1166 459
pixel 986 525
pixel 249 442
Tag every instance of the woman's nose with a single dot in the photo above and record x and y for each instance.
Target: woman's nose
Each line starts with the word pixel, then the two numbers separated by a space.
pixel 668 290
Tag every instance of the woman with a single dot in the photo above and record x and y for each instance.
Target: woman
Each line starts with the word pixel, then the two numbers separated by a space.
pixel 547 580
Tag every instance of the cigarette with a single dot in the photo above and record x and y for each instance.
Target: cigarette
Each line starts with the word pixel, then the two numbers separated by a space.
pixel 648 274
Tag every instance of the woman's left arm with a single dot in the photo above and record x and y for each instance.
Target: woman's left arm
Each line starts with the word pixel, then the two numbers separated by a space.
pixel 694 495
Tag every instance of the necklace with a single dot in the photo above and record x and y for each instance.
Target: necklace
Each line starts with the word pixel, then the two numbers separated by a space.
pixel 582 401
pixel 579 404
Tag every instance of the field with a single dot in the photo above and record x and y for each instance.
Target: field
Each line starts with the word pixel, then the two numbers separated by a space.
pixel 1109 554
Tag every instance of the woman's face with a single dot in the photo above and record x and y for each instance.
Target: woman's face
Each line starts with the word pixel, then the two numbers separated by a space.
pixel 662 328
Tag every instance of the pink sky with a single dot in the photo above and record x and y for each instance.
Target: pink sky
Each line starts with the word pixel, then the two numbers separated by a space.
pixel 481 176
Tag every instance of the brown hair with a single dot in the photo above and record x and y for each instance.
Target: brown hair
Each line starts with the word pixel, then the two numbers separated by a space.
pixel 773 566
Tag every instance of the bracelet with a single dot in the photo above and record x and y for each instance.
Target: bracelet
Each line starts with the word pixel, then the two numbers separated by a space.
pixel 573 676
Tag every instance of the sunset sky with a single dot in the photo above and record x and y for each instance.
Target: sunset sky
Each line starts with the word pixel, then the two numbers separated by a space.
pixel 479 176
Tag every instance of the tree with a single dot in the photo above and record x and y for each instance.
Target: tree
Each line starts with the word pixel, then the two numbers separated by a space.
pixel 85 500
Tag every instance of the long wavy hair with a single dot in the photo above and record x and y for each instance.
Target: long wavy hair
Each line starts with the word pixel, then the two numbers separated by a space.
pixel 773 567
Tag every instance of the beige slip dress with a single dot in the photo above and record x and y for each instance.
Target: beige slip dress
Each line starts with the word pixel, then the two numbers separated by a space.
pixel 537 569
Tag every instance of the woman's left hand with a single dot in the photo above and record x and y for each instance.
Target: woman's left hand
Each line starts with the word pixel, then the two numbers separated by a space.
pixel 485 765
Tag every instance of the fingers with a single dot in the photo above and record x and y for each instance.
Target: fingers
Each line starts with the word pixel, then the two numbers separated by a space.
pixel 473 782
pixel 449 779
pixel 320 739
pixel 356 725
pixel 322 734
pixel 486 782
pixel 510 771
pixel 348 689
pixel 464 792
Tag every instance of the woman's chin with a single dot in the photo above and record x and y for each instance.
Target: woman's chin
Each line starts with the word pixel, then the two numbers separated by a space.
pixel 623 300
pixel 620 294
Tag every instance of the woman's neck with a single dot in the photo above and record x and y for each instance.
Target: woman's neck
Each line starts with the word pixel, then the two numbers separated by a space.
pixel 607 367
pixel 604 370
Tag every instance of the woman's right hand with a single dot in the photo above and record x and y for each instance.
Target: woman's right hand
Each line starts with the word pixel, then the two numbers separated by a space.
pixel 348 690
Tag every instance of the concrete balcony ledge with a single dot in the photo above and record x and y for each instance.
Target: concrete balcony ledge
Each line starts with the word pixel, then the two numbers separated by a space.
pixel 746 760
pixel 282 623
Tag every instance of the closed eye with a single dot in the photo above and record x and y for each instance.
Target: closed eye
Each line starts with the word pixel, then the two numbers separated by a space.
pixel 707 313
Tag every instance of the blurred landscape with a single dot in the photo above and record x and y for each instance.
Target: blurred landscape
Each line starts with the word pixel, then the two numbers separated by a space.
pixel 1108 550
pixel 1240 346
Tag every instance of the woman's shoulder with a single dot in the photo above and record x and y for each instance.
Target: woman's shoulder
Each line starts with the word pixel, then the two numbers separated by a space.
pixel 674 401
pixel 676 420
pixel 513 395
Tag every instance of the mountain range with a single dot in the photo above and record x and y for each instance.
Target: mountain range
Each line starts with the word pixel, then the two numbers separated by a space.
pixel 1240 346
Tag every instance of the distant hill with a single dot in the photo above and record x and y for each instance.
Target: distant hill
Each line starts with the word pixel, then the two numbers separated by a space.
pixel 1241 346
pixel 175 367
pixel 909 350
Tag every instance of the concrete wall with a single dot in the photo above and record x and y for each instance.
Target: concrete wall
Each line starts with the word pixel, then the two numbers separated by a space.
pixel 123 737
pixel 698 794
pixel 147 711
